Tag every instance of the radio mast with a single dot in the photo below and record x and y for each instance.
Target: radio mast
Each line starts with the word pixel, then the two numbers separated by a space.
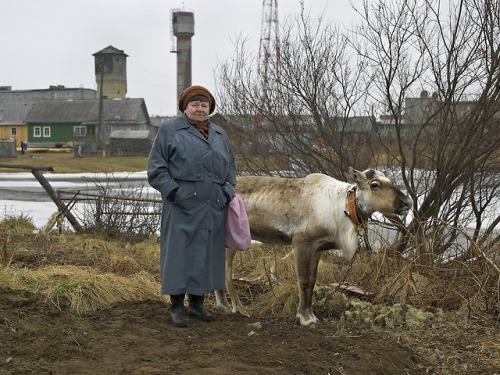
pixel 269 40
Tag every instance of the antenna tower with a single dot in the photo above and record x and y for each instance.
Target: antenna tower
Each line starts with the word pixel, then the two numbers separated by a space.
pixel 269 39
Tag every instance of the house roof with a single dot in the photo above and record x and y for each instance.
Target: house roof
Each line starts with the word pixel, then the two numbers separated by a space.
pixel 15 115
pixel 87 111
pixel 110 50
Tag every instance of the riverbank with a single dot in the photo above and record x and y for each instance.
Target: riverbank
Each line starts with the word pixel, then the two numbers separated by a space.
pixel 67 163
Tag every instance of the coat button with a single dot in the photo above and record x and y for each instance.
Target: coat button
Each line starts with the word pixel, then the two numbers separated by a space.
pixel 198 175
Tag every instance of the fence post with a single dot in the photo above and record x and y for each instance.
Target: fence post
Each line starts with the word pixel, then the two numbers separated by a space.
pixel 59 203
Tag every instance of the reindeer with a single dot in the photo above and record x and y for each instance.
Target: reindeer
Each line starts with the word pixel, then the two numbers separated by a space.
pixel 313 214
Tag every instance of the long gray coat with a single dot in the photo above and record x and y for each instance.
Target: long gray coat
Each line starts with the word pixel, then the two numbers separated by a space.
pixel 193 223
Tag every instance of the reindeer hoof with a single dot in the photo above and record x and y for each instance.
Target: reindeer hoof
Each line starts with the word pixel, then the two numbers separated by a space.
pixel 311 321
pixel 222 307
pixel 242 311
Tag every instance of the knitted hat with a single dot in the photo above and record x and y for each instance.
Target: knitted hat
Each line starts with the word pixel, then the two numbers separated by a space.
pixel 191 91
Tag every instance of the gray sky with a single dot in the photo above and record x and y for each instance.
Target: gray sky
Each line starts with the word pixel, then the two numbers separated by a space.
pixel 51 42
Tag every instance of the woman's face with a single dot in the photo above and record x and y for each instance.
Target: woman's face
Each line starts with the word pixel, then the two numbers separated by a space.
pixel 197 111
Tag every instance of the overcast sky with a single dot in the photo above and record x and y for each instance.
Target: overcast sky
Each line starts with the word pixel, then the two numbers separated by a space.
pixel 51 42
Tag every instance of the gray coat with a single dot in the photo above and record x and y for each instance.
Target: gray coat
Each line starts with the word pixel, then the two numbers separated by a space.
pixel 193 222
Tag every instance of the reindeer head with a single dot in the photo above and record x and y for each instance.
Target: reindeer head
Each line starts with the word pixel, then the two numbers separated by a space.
pixel 376 192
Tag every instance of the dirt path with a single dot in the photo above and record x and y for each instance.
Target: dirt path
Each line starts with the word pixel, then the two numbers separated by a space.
pixel 137 338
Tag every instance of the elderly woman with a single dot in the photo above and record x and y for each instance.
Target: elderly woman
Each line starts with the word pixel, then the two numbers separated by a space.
pixel 192 165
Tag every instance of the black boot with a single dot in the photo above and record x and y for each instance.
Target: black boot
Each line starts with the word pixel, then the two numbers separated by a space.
pixel 177 312
pixel 196 309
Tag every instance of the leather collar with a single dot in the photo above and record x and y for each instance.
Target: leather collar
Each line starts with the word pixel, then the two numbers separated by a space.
pixel 351 207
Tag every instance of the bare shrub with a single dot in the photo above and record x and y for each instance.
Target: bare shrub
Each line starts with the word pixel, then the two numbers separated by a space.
pixel 118 208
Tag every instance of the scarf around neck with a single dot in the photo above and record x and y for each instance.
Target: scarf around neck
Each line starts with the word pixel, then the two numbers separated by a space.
pixel 202 128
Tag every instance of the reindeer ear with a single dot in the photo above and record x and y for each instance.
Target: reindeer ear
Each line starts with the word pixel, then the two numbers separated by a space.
pixel 388 174
pixel 355 176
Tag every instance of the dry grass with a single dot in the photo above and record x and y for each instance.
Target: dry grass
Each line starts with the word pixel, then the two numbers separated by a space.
pixel 79 272
pixel 67 163
pixel 15 225
pixel 404 295
pixel 80 289
pixel 265 275
pixel 64 162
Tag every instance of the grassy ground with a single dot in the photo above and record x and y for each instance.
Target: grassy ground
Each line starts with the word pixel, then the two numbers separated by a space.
pixel 73 302
pixel 67 163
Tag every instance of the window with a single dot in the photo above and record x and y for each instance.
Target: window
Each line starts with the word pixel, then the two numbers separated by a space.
pixel 46 131
pixel 79 131
pixel 13 132
pixel 37 131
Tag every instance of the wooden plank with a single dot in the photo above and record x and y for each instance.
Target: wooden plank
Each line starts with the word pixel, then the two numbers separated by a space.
pixel 59 203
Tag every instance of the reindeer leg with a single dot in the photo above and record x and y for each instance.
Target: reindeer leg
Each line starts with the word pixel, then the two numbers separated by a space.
pixel 313 272
pixel 221 302
pixel 306 267
pixel 233 293
pixel 220 295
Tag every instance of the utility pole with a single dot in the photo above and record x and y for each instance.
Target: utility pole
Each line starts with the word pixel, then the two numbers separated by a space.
pixel 102 132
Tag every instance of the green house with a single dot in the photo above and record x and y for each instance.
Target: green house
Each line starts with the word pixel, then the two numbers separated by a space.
pixel 61 123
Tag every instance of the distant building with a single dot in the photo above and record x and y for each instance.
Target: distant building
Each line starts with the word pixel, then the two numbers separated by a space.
pixel 61 123
pixel 420 115
pixel 16 104
pixel 61 117
pixel 156 121
pixel 111 72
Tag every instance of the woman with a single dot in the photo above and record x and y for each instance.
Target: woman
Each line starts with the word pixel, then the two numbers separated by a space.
pixel 192 165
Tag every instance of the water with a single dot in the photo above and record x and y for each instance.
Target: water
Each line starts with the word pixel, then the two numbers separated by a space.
pixel 21 193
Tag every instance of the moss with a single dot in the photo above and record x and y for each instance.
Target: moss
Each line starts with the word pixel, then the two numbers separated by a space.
pixel 395 316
